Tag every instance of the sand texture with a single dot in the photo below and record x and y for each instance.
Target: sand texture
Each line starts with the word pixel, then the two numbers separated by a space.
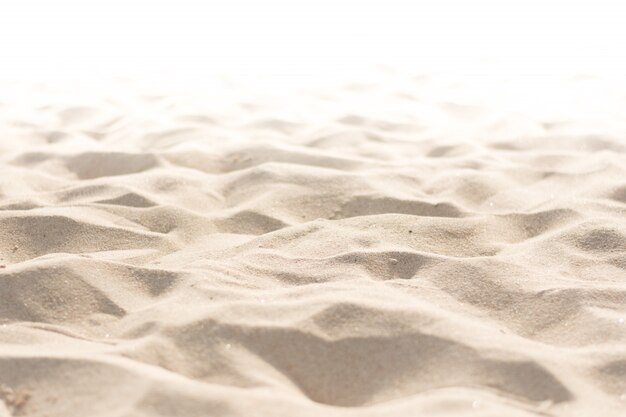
pixel 397 248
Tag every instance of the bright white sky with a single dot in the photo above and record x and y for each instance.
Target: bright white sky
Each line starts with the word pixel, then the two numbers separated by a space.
pixel 73 37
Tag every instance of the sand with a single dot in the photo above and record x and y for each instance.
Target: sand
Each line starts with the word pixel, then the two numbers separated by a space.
pixel 396 246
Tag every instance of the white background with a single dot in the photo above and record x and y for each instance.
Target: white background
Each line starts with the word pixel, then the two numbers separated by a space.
pixel 73 38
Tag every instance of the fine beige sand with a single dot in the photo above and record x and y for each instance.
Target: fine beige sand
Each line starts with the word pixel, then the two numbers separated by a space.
pixel 393 246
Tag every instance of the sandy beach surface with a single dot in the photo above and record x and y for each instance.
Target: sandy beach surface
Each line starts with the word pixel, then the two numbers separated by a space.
pixel 407 245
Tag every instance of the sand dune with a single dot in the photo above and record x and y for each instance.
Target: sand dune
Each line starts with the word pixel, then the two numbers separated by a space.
pixel 375 249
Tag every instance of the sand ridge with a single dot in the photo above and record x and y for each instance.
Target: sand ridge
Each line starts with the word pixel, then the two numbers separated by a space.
pixel 375 249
